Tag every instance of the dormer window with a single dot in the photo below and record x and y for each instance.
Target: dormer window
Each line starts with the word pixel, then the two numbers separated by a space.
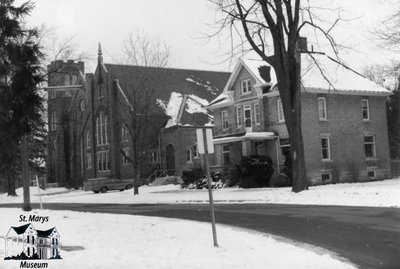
pixel 246 86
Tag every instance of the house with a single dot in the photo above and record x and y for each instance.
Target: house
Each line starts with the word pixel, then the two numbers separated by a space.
pixel 26 239
pixel 343 120
pixel 99 124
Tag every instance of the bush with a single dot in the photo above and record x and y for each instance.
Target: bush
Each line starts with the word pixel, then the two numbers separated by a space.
pixel 255 171
pixel 229 177
pixel 192 176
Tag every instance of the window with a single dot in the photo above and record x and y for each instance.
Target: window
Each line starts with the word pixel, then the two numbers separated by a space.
pixel 246 86
pixel 88 160
pixel 284 149
pixel 125 160
pixel 53 121
pixel 369 146
pixel 371 173
pixel 188 155
pixel 326 177
pixel 257 114
pixel 326 154
pixel 225 154
pixel 247 116
pixel 239 117
pixel 88 139
pixel 125 133
pixel 27 239
pixel 103 161
pixel 195 152
pixel 322 108
pixel 365 109
pixel 281 116
pixel 82 105
pixel 224 117
pixel 102 129
pixel 154 157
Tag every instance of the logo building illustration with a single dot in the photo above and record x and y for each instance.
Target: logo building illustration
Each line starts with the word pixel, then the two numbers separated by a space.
pixel 25 242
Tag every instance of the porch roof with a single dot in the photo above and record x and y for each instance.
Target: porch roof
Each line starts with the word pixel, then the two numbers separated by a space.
pixel 247 136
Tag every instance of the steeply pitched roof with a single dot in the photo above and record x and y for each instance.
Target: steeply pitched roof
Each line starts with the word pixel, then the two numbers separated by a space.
pixel 321 72
pixel 46 233
pixel 204 84
pixel 21 229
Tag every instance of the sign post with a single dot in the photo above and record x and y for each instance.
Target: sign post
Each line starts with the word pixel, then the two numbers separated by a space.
pixel 205 146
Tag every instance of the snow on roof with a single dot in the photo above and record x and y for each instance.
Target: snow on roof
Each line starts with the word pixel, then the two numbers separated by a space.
pixel 246 136
pixel 224 99
pixel 205 84
pixel 172 108
pixel 253 66
pixel 193 105
pixel 321 72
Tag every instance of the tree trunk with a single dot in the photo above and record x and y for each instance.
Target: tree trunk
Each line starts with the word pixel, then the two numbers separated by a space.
pixel 11 186
pixel 135 169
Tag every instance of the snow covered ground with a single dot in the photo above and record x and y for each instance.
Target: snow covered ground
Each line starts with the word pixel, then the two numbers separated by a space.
pixel 379 193
pixel 94 240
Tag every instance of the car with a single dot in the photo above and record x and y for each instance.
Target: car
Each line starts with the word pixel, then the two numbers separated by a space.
pixel 105 184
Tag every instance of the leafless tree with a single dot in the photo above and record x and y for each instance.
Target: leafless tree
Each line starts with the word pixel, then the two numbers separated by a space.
pixel 138 109
pixel 275 26
pixel 140 48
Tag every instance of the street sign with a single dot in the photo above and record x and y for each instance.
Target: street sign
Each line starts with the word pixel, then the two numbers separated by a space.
pixel 207 146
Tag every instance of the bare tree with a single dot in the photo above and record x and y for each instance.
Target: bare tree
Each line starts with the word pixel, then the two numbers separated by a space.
pixel 140 48
pixel 275 25
pixel 138 109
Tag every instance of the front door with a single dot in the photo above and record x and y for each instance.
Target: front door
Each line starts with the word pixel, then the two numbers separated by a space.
pixel 170 154
pixel 247 117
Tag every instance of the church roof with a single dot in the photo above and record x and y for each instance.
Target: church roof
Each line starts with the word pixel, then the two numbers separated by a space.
pixel 46 233
pixel 204 84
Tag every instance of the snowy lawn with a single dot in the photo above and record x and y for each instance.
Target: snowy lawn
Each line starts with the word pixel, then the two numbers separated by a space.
pixel 379 193
pixel 94 240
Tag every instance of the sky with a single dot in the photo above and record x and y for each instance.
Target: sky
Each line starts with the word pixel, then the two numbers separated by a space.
pixel 185 24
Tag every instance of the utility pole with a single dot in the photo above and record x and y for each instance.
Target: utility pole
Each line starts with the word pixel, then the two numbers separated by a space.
pixel 25 173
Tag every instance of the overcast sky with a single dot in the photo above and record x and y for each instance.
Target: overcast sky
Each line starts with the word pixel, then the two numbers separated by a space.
pixel 183 24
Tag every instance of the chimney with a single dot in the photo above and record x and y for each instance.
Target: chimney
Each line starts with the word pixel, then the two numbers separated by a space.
pixel 302 46
pixel 265 73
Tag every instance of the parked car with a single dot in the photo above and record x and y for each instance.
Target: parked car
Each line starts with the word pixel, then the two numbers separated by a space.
pixel 105 184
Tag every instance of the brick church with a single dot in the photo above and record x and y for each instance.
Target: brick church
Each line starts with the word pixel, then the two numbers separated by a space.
pixel 99 124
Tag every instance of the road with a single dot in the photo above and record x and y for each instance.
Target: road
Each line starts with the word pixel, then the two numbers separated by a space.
pixel 367 236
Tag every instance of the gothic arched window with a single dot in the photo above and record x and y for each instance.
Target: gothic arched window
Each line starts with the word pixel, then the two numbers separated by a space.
pixel 102 124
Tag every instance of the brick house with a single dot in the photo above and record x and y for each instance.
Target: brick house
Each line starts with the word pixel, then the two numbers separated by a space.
pixel 343 118
pixel 93 118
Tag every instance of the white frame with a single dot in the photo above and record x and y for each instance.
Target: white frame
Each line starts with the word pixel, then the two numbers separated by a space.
pixel 281 115
pixel 239 118
pixel 257 114
pixel 324 115
pixel 245 86
pixel 247 108
pixel 225 119
pixel 370 143
pixel 328 148
pixel 366 101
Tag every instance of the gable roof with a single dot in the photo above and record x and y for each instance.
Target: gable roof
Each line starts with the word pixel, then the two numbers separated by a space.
pixel 45 233
pixel 204 84
pixel 321 73
pixel 186 110
pixel 182 94
pixel 21 229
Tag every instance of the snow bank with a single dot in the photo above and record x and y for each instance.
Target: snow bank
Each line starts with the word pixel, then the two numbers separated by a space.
pixel 94 240
pixel 378 194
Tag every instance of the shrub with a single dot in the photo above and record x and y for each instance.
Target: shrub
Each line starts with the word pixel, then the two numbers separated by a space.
pixel 258 168
pixel 190 176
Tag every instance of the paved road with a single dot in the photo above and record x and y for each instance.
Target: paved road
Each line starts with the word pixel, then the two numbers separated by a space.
pixel 368 237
